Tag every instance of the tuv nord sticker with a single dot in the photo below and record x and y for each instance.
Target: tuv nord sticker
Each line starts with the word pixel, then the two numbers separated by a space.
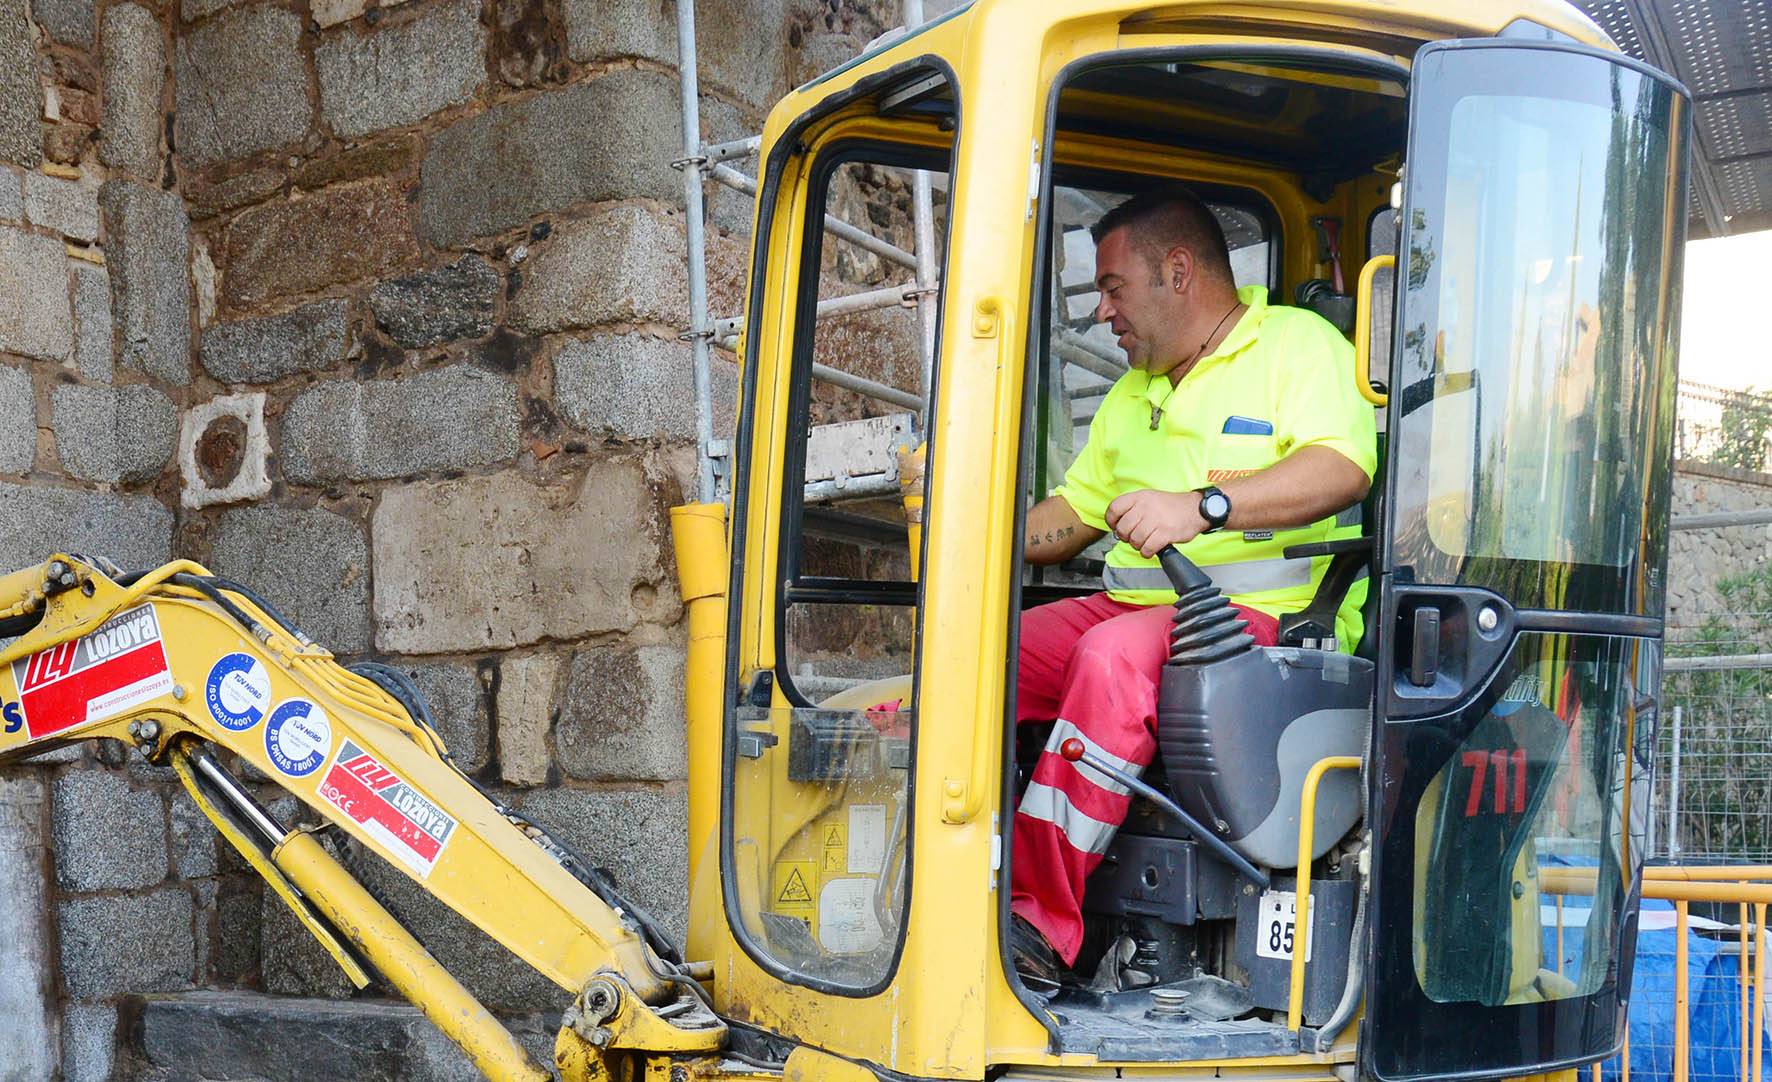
pixel 118 665
pixel 297 737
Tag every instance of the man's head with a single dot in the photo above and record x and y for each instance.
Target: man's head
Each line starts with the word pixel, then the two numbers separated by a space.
pixel 1164 274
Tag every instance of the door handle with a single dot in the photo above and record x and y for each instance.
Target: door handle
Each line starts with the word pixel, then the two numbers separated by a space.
pixel 1424 657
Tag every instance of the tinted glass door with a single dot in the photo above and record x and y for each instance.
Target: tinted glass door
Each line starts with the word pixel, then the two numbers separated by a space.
pixel 1532 409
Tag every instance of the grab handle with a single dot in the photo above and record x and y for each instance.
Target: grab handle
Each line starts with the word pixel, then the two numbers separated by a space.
pixel 1363 330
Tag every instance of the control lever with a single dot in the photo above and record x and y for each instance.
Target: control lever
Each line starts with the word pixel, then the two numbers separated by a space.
pixel 1074 751
pixel 1183 573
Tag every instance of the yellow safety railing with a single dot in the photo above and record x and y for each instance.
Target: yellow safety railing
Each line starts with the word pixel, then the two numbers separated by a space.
pixel 1307 824
pixel 1749 887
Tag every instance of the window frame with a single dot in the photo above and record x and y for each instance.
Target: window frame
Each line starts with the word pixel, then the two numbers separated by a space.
pixel 784 150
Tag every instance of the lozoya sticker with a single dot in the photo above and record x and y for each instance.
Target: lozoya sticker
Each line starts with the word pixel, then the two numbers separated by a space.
pixel 297 737
pixel 118 665
pixel 238 692
pixel 386 807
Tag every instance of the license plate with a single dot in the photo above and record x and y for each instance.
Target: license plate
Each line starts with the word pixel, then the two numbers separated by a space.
pixel 1274 928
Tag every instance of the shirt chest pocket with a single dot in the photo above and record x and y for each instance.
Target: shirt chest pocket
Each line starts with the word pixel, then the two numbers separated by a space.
pixel 1240 445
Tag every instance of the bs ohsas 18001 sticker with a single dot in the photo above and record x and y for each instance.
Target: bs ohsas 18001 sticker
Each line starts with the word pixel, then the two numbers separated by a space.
pixel 118 665
pixel 238 692
pixel 386 807
pixel 297 737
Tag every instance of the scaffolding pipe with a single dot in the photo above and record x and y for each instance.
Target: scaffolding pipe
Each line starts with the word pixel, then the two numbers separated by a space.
pixel 715 153
pixel 726 330
pixel 1727 663
pixel 923 220
pixel 1075 349
pixel 1673 794
pixel 699 331
pixel 868 387
pixel 890 297
pixel 1718 520
pixel 738 182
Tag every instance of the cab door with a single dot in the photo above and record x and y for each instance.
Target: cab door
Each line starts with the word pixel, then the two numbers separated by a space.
pixel 1525 544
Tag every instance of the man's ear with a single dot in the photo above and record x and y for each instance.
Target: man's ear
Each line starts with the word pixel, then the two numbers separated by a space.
pixel 1178 269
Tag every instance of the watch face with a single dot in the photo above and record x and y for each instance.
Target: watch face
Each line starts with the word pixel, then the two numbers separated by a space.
pixel 1215 507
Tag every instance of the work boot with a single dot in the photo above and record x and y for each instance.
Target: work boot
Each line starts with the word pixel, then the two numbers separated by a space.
pixel 1035 959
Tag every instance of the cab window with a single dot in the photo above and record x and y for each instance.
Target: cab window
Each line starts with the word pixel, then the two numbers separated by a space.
pixel 818 817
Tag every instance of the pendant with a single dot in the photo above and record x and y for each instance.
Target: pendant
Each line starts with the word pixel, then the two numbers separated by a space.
pixel 1156 417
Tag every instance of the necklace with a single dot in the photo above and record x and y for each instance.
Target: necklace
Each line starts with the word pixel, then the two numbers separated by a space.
pixel 1175 385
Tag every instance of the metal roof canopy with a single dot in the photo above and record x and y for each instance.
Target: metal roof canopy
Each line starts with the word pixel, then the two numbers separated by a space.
pixel 1722 51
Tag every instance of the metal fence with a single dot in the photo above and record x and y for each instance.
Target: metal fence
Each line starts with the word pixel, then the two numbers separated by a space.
pixel 1714 777
pixel 1724 426
pixel 1698 1004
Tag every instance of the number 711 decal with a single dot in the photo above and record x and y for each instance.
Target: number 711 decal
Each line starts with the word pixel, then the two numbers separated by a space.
pixel 1495 764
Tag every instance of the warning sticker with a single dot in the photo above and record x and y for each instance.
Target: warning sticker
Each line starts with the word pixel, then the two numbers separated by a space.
pixel 388 809
pixel 297 737
pixel 790 887
pixel 117 666
pixel 846 921
pixel 835 860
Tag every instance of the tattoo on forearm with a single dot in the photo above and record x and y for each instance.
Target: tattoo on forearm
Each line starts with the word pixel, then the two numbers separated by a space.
pixel 1038 540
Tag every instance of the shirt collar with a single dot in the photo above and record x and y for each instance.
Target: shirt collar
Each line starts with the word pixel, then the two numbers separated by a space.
pixel 1157 388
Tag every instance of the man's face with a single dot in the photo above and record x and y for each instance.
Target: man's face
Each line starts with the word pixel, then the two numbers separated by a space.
pixel 1136 304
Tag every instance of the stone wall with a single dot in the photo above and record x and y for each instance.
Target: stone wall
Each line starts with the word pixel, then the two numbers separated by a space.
pixel 373 305
pixel 1698 558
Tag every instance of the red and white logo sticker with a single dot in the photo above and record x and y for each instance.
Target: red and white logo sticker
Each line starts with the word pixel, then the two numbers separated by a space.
pixel 117 666
pixel 389 810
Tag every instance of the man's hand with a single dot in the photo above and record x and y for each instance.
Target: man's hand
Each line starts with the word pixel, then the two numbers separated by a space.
pixel 1309 484
pixel 1149 519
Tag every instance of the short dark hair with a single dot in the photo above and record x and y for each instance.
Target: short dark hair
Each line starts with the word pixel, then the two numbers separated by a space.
pixel 1162 219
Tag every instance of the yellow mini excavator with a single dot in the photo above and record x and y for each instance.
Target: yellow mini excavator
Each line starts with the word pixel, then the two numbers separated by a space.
pixel 1410 857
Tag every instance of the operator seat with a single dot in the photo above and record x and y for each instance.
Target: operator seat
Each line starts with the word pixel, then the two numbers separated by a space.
pixel 1240 726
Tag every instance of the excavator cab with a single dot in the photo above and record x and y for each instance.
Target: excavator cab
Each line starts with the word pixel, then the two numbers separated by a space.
pixel 1493 211
pixel 1397 847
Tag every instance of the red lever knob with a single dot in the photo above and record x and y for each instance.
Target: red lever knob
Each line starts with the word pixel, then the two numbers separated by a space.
pixel 1071 749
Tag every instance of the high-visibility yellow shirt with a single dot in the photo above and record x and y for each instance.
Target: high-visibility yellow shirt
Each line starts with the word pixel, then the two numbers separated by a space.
pixel 1282 379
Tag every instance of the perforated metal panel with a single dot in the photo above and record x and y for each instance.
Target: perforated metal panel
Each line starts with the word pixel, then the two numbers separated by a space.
pixel 1722 51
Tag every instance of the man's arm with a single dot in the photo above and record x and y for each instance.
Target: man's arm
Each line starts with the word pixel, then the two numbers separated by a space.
pixel 1309 484
pixel 1055 533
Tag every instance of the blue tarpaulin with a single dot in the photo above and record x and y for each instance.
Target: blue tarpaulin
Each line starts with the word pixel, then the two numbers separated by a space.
pixel 1714 1007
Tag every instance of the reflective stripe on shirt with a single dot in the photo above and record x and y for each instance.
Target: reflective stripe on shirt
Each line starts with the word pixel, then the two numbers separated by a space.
pixel 1241 577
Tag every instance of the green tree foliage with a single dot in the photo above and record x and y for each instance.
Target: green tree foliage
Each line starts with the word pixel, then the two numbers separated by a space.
pixel 1745 435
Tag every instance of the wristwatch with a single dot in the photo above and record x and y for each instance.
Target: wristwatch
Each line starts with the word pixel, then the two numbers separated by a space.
pixel 1215 508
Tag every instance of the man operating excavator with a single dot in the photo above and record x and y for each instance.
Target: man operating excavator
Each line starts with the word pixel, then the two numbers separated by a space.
pixel 1236 432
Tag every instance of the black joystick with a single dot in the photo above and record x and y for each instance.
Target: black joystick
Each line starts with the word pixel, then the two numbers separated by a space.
pixel 1207 627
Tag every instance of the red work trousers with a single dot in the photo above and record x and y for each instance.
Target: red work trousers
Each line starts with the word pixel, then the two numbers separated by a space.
pixel 1092 664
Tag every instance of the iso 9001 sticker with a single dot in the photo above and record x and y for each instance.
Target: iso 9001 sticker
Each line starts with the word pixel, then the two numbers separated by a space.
pixel 388 809
pixel 238 692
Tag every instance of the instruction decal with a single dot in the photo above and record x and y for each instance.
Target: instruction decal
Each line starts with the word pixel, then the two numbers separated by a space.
pixel 238 692
pixel 387 808
pixel 846 921
pixel 297 737
pixel 867 839
pixel 117 666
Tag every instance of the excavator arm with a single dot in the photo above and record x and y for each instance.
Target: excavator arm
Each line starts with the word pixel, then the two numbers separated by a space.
pixel 192 669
